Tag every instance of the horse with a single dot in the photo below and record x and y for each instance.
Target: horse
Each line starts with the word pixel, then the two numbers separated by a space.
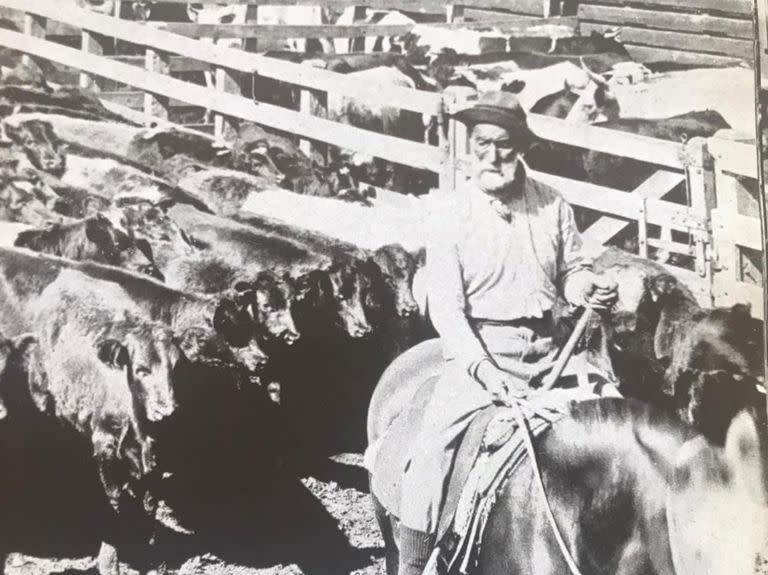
pixel 633 490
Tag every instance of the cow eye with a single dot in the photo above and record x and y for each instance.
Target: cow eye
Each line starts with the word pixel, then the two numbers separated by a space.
pixel 142 371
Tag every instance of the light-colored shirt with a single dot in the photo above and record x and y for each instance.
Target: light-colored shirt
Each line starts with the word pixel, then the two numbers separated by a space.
pixel 499 263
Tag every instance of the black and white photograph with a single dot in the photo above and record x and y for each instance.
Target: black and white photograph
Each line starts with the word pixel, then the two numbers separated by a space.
pixel 383 287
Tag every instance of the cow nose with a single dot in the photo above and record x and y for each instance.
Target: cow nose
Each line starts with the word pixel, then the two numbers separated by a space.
pixel 290 337
pixel 360 331
pixel 408 310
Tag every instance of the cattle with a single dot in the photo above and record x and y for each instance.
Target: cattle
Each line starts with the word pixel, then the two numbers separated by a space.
pixel 152 147
pixel 709 360
pixel 25 198
pixel 267 296
pixel 147 222
pixel 22 98
pixel 39 143
pixel 111 379
pixel 94 239
pixel 618 172
pixel 397 269
pixel 210 328
pixel 221 190
pixel 255 146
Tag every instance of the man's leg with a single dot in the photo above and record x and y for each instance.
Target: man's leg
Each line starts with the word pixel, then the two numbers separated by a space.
pixel 450 410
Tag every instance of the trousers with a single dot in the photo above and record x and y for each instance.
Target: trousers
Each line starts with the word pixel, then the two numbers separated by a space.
pixel 456 399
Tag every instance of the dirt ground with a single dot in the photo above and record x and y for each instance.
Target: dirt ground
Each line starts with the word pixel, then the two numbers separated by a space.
pixel 344 497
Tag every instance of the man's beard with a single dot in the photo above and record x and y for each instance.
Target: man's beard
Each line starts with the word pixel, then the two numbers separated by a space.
pixel 496 179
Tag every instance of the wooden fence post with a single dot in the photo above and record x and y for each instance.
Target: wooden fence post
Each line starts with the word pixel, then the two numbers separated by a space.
pixel 251 17
pixel 701 188
pixel 455 139
pixel 156 106
pixel 358 44
pixel 454 13
pixel 314 103
pixel 225 80
pixel 33 26
pixel 92 44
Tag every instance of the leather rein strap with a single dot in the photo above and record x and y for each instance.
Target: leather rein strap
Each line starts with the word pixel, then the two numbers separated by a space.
pixel 522 422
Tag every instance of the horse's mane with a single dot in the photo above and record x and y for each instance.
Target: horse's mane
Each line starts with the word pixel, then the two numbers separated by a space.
pixel 612 429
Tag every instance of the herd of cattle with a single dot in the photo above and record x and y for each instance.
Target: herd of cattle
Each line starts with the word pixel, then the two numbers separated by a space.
pixel 132 277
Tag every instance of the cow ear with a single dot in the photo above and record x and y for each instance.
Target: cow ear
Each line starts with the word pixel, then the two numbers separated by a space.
pixel 95 231
pixel 232 323
pixel 242 286
pixel 112 353
pixel 742 310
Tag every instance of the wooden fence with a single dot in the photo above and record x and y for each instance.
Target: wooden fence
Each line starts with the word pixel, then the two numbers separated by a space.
pixel 736 229
pixel 685 31
pixel 712 171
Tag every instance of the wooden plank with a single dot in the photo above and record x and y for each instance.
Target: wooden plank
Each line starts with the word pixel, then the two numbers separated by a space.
pixel 656 186
pixel 738 229
pixel 224 126
pixel 697 23
pixel 283 31
pixel 386 147
pixel 154 105
pixel 736 157
pixel 738 7
pixel 584 194
pixel 660 152
pixel 135 100
pixel 33 26
pixel 650 54
pixel 93 44
pixel 735 47
pixel 178 64
pixel 405 98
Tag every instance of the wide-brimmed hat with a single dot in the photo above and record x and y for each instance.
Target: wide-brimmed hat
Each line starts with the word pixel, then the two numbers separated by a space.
pixel 501 109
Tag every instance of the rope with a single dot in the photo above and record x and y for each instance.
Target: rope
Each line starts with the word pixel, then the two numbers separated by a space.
pixel 522 421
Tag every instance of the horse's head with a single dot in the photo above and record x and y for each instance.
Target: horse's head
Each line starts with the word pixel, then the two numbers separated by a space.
pixel 717 507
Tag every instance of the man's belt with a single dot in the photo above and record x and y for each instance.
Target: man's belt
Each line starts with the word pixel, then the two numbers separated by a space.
pixel 536 324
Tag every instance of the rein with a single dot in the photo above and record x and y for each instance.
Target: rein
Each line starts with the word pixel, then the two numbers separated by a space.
pixel 522 422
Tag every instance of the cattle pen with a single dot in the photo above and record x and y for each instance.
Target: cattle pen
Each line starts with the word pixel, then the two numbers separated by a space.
pixel 717 227
pixel 229 214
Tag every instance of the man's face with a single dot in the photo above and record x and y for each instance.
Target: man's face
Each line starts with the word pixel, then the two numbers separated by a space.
pixel 495 157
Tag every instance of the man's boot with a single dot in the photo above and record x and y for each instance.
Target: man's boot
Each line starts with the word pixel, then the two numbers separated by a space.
pixel 415 549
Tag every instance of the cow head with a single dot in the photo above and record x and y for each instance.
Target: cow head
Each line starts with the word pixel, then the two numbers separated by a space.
pixel 259 159
pixel 20 201
pixel 40 144
pixel 106 7
pixel 348 286
pixel 335 296
pixel 119 249
pixel 145 221
pixel 148 353
pixel 396 269
pixel 269 298
pixel 141 10
pixel 594 100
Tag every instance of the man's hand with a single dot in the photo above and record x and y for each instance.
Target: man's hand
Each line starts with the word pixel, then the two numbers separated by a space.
pixel 500 384
pixel 602 293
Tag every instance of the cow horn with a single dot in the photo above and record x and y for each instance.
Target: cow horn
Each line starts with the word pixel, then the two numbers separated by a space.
pixel 553 45
pixel 596 78
pixel 612 34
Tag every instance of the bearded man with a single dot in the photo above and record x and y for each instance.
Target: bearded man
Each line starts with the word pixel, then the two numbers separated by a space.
pixel 504 249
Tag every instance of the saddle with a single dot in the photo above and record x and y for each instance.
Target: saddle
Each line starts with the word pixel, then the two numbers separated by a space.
pixel 490 450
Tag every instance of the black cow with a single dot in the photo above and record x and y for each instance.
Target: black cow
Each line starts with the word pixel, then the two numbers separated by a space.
pixel 209 327
pixel 40 144
pixel 93 239
pixel 147 222
pixel 65 100
pixel 24 198
pixel 710 360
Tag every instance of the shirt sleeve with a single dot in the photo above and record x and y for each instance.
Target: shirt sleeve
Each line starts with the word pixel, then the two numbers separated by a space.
pixel 447 300
pixel 574 268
